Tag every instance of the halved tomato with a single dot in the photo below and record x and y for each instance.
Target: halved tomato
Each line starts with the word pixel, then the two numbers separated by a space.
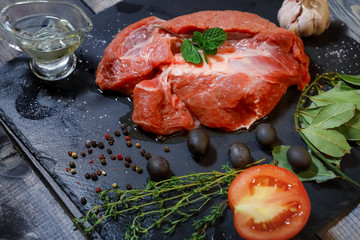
pixel 268 202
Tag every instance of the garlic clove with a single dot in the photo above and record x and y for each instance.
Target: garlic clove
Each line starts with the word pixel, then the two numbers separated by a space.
pixel 304 17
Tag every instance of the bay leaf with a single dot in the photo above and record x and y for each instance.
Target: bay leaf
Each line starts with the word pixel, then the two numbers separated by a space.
pixel 351 129
pixel 316 171
pixel 336 97
pixel 328 141
pixel 309 114
pixel 334 115
pixel 352 79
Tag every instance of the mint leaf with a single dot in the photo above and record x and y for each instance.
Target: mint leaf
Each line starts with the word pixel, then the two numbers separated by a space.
pixel 208 41
pixel 213 38
pixel 198 38
pixel 190 53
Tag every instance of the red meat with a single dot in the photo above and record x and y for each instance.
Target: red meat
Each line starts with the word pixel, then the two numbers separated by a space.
pixel 241 84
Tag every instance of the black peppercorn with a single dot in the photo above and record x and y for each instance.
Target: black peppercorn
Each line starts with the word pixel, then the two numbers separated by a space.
pixel 125 132
pixel 128 187
pixel 148 155
pixel 94 177
pixel 109 151
pixel 117 133
pixel 166 149
pixel 142 152
pixel 93 143
pixel 87 175
pixel 112 157
pixel 83 201
pixel 126 164
pixel 87 144
pixel 83 154
pixel 101 145
pixel 72 165
pixel 128 159
pixel 90 151
pixel 103 161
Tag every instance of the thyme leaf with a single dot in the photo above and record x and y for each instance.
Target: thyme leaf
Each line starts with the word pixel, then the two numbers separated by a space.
pixel 167 203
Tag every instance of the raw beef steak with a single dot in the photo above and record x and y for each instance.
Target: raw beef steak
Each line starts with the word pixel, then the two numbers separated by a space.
pixel 241 83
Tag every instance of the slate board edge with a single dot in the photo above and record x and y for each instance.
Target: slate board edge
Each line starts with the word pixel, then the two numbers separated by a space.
pixel 62 198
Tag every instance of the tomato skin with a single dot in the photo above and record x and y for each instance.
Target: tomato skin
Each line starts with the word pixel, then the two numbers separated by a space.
pixel 268 203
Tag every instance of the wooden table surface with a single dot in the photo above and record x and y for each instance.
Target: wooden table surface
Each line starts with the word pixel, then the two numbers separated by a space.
pixel 29 210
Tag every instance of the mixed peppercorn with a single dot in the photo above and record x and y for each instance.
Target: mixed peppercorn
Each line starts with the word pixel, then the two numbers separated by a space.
pixel 109 154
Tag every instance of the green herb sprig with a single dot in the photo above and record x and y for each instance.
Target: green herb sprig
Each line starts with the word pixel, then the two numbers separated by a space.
pixel 168 203
pixel 209 41
pixel 326 119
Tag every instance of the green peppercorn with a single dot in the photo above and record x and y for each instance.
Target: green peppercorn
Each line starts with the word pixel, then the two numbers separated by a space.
pixel 74 155
pixel 129 143
pixel 166 149
pixel 103 161
pixel 138 169
pixel 73 171
pixel 114 185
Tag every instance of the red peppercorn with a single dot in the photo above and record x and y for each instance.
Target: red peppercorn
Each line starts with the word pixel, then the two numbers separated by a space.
pixel 107 136
pixel 98 189
pixel 119 157
pixel 91 161
pixel 127 138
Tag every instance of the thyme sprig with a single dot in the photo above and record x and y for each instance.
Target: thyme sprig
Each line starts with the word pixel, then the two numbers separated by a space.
pixel 307 113
pixel 168 203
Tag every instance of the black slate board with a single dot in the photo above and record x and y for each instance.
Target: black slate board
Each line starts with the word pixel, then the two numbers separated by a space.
pixel 52 118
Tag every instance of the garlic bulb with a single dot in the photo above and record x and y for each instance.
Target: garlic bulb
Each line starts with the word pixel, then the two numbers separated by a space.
pixel 304 17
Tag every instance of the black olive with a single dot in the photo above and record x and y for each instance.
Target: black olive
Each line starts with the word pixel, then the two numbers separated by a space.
pixel 265 134
pixel 239 155
pixel 158 168
pixel 198 143
pixel 298 158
